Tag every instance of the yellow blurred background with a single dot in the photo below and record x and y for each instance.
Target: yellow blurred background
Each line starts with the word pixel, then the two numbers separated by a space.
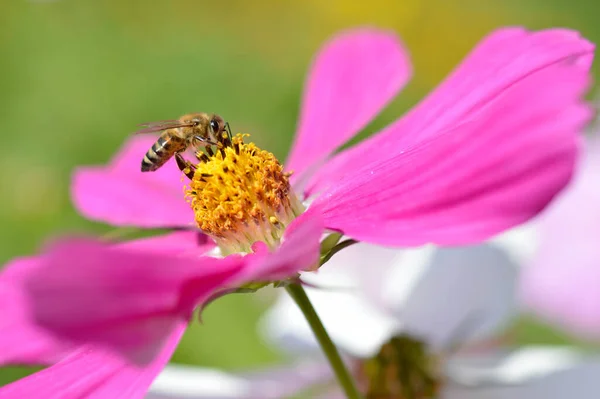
pixel 77 76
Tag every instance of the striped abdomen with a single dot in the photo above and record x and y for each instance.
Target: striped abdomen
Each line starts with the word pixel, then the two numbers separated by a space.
pixel 161 151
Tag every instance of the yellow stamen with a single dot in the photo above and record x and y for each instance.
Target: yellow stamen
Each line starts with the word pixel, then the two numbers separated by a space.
pixel 241 195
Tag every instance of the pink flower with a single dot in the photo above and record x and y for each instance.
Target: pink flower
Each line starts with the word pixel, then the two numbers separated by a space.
pixel 136 296
pixel 91 372
pixel 486 151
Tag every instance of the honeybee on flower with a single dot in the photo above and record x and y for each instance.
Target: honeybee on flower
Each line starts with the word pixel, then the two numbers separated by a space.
pixel 486 151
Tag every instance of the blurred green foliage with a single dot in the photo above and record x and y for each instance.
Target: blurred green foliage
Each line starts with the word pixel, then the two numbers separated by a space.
pixel 77 77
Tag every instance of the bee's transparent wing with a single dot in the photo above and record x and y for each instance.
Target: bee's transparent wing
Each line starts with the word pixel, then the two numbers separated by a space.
pixel 159 126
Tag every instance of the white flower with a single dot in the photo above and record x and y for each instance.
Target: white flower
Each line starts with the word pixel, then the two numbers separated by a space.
pixel 453 300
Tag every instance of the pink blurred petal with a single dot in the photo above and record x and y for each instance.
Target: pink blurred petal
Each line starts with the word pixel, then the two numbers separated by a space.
pixel 23 342
pixel 563 283
pixel 178 243
pixel 493 162
pixel 120 194
pixel 352 78
pixel 94 373
pixel 119 296
pixel 127 299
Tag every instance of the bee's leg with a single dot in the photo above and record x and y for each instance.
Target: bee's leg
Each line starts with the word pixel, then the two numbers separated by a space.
pixel 204 140
pixel 185 166
pixel 202 157
pixel 209 151
pixel 226 137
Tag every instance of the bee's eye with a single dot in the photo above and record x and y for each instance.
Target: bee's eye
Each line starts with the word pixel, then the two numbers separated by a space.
pixel 214 124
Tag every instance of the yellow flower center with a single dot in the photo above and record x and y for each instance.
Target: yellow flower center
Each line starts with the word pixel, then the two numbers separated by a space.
pixel 240 195
pixel 402 369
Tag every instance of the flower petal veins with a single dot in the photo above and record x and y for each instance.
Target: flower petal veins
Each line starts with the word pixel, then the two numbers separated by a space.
pixel 352 78
pixel 464 181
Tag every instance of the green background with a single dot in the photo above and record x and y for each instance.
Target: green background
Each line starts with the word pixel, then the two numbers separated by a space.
pixel 76 77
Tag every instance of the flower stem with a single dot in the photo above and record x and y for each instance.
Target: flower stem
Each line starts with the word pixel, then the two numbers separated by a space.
pixel 341 372
pixel 337 248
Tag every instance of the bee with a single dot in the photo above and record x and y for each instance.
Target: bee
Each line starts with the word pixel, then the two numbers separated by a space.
pixel 177 135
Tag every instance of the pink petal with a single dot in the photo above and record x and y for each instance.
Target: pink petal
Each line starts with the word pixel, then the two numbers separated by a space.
pixel 496 63
pixel 25 342
pixel 127 299
pixel 120 194
pixel 94 373
pixel 482 154
pixel 181 243
pixel 22 341
pixel 119 296
pixel 352 78
pixel 563 283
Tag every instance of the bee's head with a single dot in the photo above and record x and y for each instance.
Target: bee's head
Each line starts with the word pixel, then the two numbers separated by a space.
pixel 211 127
pixel 220 130
pixel 217 124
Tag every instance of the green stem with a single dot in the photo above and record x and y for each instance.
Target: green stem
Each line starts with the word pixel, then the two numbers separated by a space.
pixel 344 244
pixel 345 379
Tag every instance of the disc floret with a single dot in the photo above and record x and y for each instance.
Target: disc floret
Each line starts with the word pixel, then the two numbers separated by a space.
pixel 402 369
pixel 240 195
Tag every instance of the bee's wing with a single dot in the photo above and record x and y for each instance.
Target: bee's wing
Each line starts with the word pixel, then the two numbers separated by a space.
pixel 159 126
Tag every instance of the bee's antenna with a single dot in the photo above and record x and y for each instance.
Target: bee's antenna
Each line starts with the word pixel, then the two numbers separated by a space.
pixel 228 129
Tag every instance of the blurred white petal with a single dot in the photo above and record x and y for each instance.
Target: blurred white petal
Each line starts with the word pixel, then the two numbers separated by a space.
pixel 444 296
pixel 361 267
pixel 179 382
pixel 520 243
pixel 349 289
pixel 354 324
pixel 511 368
pixel 532 373
pixel 462 294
